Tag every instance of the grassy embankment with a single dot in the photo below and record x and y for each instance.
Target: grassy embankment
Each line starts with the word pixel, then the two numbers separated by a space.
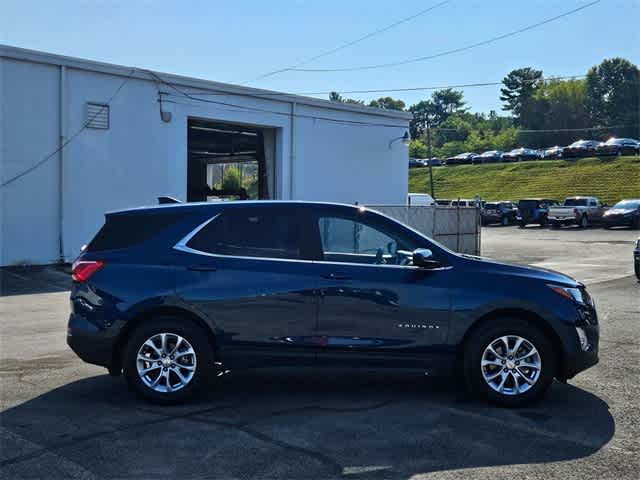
pixel 611 179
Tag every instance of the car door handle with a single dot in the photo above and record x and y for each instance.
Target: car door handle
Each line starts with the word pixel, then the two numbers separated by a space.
pixel 202 268
pixel 336 276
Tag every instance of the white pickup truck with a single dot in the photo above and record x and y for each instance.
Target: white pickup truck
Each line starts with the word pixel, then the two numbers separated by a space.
pixel 582 211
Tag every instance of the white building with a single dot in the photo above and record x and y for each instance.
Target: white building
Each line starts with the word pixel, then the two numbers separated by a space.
pixel 79 138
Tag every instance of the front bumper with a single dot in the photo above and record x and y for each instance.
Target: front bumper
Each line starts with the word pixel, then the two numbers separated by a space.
pixel 578 360
pixel 617 220
pixel 89 343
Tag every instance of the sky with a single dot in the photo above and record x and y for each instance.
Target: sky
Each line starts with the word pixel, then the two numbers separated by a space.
pixel 238 41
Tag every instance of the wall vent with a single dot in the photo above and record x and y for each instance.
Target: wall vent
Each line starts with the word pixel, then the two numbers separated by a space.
pixel 97 115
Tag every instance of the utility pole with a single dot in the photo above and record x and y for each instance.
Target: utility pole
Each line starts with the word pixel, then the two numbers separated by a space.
pixel 429 160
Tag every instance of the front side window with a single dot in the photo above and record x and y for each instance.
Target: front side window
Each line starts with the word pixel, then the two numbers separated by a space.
pixel 251 233
pixel 350 241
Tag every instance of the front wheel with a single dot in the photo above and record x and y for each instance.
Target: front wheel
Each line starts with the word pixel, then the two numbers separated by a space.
pixel 509 362
pixel 167 360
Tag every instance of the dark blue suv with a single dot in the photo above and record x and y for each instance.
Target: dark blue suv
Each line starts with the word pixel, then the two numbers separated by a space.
pixel 171 295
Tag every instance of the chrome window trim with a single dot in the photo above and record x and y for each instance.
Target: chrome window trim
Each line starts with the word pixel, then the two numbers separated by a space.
pixel 182 246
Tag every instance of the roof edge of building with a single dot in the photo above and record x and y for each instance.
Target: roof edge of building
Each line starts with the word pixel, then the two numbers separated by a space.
pixel 37 56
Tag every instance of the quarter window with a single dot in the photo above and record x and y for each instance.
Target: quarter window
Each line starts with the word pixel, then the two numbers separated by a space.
pixel 251 233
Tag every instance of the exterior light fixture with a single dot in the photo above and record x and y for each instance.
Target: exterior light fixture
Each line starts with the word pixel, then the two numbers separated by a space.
pixel 405 140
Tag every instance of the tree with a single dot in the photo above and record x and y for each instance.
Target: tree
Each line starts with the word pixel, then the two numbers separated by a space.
pixel 336 97
pixel 387 103
pixel 613 95
pixel 433 112
pixel 520 86
pixel 417 149
pixel 448 102
pixel 231 180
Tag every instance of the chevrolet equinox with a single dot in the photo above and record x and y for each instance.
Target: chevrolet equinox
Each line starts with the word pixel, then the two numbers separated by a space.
pixel 169 295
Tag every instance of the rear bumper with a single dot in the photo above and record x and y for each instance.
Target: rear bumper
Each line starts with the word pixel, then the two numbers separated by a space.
pixel 90 344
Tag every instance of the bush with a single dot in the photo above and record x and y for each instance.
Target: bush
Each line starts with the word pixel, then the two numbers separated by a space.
pixel 231 179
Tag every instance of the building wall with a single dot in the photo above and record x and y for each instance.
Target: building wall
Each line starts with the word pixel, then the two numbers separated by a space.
pixel 140 157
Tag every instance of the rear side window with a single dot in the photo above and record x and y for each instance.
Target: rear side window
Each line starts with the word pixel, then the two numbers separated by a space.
pixel 128 230
pixel 262 233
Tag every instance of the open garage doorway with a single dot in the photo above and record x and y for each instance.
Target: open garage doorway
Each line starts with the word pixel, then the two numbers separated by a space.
pixel 228 160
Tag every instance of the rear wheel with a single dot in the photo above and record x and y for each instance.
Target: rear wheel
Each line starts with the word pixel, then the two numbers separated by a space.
pixel 584 221
pixel 509 362
pixel 167 360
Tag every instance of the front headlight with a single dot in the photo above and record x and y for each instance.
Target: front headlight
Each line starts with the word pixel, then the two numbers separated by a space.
pixel 575 294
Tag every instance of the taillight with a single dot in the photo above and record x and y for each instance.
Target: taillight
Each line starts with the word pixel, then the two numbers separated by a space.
pixel 83 270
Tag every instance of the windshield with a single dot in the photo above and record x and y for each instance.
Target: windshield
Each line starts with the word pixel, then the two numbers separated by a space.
pixel 628 204
pixel 575 202
pixel 528 204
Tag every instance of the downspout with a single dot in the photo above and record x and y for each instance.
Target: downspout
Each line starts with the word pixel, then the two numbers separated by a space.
pixel 61 141
pixel 292 152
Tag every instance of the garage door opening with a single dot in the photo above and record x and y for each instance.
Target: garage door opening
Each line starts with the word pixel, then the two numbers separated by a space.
pixel 229 161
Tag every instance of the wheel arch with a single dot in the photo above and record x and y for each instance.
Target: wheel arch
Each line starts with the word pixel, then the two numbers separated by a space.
pixel 147 315
pixel 527 315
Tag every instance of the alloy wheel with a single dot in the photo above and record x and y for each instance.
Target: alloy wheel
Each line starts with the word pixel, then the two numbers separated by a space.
pixel 166 362
pixel 511 365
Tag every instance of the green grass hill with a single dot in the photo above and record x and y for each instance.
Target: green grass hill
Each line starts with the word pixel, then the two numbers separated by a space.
pixel 611 179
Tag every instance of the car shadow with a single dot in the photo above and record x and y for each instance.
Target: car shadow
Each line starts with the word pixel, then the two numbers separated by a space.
pixel 27 280
pixel 318 424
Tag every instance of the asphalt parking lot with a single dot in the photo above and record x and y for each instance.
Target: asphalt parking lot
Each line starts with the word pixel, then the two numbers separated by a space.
pixel 62 418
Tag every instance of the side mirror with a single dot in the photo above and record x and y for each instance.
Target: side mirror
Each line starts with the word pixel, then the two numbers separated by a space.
pixel 423 257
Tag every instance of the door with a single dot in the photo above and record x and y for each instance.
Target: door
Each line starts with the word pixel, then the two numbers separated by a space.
pixel 375 307
pixel 248 273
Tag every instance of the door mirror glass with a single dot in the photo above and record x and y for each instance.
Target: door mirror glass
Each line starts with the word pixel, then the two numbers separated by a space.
pixel 423 257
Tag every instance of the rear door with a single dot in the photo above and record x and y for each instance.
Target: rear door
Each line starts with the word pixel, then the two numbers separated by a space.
pixel 249 274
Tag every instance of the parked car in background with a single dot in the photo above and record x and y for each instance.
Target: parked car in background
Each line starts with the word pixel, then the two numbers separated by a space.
pixel 581 211
pixel 415 163
pixel 467 202
pixel 461 159
pixel 553 152
pixel 173 295
pixel 491 156
pixel 618 146
pixel 581 148
pixel 434 162
pixel 623 213
pixel 520 154
pixel 636 259
pixel 503 213
pixel 443 202
pixel 534 210
pixel 420 199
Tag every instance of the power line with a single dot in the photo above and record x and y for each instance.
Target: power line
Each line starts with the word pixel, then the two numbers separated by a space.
pixel 72 137
pixel 391 90
pixel 447 52
pixel 264 110
pixel 345 45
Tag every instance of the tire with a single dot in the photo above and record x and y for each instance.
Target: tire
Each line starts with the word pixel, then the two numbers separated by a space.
pixel 522 224
pixel 584 221
pixel 636 267
pixel 555 224
pixel 197 367
pixel 515 391
pixel 505 221
pixel 544 222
